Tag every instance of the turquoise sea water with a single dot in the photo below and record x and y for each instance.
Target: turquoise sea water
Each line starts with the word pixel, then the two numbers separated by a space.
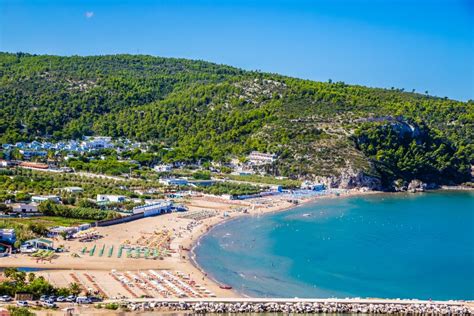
pixel 388 246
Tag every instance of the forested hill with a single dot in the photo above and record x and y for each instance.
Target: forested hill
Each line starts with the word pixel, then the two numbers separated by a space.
pixel 214 112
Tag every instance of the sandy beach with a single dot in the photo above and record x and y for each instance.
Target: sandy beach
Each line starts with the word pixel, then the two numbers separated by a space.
pixel 98 267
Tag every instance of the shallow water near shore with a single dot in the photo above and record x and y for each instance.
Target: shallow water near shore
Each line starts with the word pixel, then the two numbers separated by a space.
pixel 386 246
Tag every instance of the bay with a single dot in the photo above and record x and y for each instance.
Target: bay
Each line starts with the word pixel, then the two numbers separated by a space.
pixel 384 245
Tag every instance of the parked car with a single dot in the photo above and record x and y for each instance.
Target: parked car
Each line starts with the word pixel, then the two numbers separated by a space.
pixel 50 304
pixel 43 298
pixel 52 298
pixel 22 303
pixel 5 298
pixel 83 300
pixel 95 299
pixel 28 249
pixel 60 299
pixel 71 298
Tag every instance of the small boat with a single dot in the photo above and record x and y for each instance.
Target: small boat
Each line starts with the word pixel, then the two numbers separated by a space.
pixel 306 214
pixel 225 287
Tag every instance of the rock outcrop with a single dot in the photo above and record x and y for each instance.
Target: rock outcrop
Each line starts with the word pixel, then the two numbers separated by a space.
pixel 351 179
pixel 416 186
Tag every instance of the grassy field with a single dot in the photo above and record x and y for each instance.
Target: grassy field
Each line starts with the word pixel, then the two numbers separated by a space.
pixel 48 221
pixel 33 227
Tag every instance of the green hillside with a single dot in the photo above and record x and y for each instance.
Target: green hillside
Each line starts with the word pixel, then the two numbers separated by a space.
pixel 206 111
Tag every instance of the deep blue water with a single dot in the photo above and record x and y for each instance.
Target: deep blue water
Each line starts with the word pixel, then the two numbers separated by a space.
pixel 388 246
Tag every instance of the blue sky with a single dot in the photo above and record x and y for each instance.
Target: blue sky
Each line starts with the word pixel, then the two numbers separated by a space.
pixel 422 45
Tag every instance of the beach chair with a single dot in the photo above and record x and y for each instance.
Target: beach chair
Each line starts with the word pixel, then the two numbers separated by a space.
pixel 84 250
pixel 111 251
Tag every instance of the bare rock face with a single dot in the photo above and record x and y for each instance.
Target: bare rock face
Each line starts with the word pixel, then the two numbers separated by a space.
pixel 351 179
pixel 400 185
pixel 416 186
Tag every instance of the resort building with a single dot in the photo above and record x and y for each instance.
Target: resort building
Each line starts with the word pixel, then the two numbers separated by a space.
pixel 156 208
pixel 258 158
pixel 43 198
pixel 173 181
pixel 7 235
pixel 108 198
pixel 24 208
pixel 307 185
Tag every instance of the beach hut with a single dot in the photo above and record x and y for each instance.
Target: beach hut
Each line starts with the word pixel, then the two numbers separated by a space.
pixel 40 243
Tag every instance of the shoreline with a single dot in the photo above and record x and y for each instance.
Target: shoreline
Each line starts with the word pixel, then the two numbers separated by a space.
pixel 191 257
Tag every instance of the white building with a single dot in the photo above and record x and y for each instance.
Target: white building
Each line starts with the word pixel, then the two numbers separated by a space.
pixel 154 208
pixel 173 181
pixel 43 198
pixel 98 142
pixel 110 198
pixel 258 158
pixel 163 168
pixel 23 208
pixel 307 185
pixel 73 189
pixel 4 163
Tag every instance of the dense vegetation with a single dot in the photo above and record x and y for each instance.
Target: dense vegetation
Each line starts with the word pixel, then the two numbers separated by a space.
pixel 109 166
pixel 403 151
pixel 52 209
pixel 193 110
pixel 21 282
pixel 233 189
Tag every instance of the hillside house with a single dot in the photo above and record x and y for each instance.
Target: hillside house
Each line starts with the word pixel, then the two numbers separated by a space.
pixel 43 198
pixel 163 168
pixel 258 158
pixel 24 208
pixel 73 190
pixel 108 198
pixel 173 181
